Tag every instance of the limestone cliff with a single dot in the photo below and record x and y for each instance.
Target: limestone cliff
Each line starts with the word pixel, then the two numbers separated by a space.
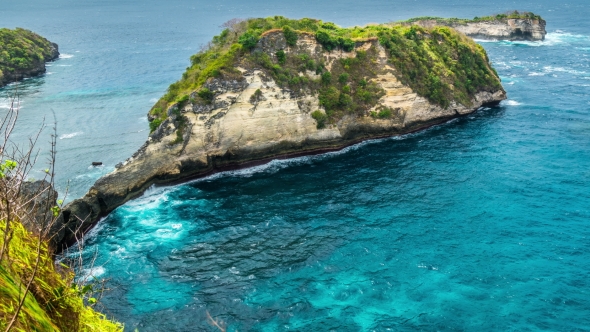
pixel 513 26
pixel 273 101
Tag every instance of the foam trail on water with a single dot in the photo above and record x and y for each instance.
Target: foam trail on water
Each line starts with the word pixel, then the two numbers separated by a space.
pixel 66 56
pixel 70 135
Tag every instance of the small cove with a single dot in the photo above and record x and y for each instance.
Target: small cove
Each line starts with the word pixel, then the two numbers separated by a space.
pixel 480 223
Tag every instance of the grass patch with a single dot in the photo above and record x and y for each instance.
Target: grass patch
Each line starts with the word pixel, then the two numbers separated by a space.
pixel 55 302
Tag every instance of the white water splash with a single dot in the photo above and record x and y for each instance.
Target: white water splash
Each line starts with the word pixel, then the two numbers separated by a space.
pixel 66 136
pixel 66 56
pixel 511 103
pixel 90 274
pixel 551 69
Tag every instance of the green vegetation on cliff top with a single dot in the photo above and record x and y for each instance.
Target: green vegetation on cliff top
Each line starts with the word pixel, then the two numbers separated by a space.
pixel 22 50
pixel 492 18
pixel 438 63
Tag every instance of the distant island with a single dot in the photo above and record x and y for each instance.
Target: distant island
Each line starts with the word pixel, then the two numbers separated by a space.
pixel 514 26
pixel 23 54
pixel 269 88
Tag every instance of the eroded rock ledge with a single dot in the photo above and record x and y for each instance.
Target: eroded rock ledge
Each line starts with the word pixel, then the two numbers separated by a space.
pixel 516 29
pixel 251 119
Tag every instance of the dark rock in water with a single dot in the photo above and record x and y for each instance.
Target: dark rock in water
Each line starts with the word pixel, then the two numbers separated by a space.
pixel 40 198
pixel 96 163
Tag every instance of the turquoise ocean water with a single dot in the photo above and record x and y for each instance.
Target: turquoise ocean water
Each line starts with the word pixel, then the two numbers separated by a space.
pixel 478 224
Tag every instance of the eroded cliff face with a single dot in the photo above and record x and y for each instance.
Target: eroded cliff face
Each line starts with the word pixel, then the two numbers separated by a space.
pixel 509 29
pixel 237 130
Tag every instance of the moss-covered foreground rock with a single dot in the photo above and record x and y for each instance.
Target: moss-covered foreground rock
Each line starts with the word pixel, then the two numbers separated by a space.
pixel 276 88
pixel 54 302
pixel 23 54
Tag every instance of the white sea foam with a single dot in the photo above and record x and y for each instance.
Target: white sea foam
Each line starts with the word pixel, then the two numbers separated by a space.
pixel 66 56
pixel 485 40
pixel 66 136
pixel 6 105
pixel 90 274
pixel 511 103
pixel 551 69
pixel 551 39
pixel 536 74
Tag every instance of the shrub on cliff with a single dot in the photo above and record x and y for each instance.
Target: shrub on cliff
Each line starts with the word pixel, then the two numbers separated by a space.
pixel 320 118
pixel 437 63
pixel 290 36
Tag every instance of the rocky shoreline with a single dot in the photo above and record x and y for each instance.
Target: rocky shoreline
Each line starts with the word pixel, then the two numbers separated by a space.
pixel 517 29
pixel 235 131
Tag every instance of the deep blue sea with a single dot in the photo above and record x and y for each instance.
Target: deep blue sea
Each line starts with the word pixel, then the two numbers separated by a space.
pixel 480 224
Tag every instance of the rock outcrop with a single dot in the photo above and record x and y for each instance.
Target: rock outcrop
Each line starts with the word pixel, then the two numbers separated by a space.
pixel 39 198
pixel 252 119
pixel 517 29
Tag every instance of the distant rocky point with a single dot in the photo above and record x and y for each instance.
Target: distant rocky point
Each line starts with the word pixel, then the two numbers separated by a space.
pixel 513 26
pixel 23 54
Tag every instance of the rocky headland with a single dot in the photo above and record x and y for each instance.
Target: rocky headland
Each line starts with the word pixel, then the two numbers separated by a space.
pixel 23 54
pixel 276 88
pixel 513 26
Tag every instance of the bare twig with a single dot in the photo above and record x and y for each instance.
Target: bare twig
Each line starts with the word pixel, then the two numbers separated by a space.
pixel 218 323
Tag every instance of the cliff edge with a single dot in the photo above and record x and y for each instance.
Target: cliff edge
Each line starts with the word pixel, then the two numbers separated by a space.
pixel 275 88
pixel 23 54
pixel 513 26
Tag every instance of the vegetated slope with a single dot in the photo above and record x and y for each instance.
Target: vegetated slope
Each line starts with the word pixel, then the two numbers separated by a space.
pixel 492 18
pixel 54 301
pixel 23 53
pixel 438 63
